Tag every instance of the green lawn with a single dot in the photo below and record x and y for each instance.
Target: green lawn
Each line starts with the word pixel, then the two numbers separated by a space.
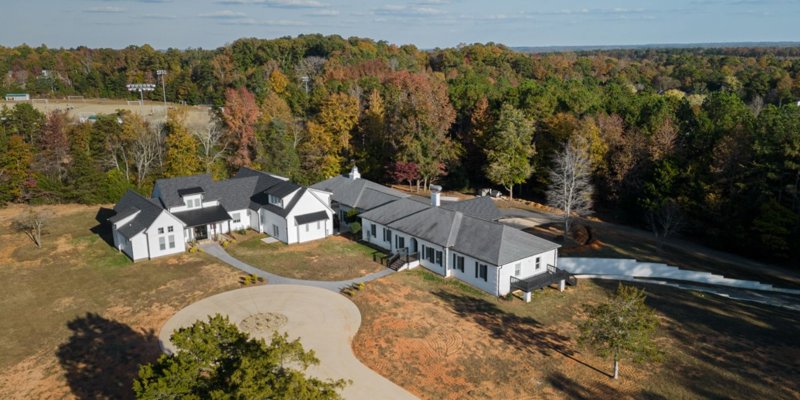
pixel 331 259
pixel 78 317
pixel 454 342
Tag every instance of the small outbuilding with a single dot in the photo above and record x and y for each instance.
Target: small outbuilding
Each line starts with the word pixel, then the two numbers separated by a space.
pixel 17 97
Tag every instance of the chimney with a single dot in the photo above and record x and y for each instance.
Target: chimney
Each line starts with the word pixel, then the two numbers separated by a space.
pixel 354 173
pixel 436 190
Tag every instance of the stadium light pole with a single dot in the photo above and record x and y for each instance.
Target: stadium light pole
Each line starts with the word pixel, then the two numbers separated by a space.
pixel 141 88
pixel 163 73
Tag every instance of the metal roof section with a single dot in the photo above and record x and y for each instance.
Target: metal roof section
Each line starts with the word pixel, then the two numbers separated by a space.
pixel 312 217
pixel 190 191
pixel 203 216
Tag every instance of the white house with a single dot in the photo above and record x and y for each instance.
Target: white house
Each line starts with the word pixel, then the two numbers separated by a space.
pixel 197 208
pixel 462 240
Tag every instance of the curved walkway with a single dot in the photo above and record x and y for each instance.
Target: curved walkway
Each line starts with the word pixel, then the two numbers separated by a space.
pixel 214 249
pixel 324 321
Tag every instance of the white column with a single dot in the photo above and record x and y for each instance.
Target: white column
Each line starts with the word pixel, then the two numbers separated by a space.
pixel 561 285
pixel 527 297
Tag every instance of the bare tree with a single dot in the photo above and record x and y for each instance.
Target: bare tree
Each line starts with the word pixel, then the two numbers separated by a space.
pixel 32 223
pixel 571 188
pixel 665 220
pixel 212 145
pixel 147 148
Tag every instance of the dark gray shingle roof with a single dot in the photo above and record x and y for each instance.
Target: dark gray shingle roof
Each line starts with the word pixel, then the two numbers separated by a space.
pixel 129 204
pixel 234 193
pixel 478 207
pixel 168 188
pixel 311 217
pixel 358 193
pixel 203 216
pixel 282 189
pixel 388 213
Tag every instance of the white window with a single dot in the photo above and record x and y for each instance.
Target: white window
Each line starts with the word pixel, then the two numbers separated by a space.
pixel 318 224
pixel 517 269
pixel 171 241
pixel 538 262
pixel 275 201
pixel 188 203
pixel 481 271
pixel 458 262
pixel 307 225
pixel 162 244
pixel 236 218
pixel 275 230
pixel 160 230
pixel 196 203
pixel 169 229
pixel 374 230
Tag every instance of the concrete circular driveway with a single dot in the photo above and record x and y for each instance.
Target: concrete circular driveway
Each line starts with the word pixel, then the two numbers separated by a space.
pixel 323 320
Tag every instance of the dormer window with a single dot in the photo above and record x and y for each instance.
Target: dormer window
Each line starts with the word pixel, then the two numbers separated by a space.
pixel 192 197
pixel 276 201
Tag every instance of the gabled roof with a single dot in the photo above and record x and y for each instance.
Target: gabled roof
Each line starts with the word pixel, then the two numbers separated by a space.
pixel 133 203
pixel 433 224
pixel 479 207
pixel 262 200
pixel 282 189
pixel 168 188
pixel 234 193
pixel 358 193
pixel 497 243
pixel 388 213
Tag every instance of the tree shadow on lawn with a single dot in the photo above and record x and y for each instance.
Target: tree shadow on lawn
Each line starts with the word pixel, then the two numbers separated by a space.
pixel 738 347
pixel 103 227
pixel 102 357
pixel 522 333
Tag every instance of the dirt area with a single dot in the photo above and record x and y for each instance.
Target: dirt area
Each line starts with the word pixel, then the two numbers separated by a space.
pixel 154 111
pixel 78 317
pixel 331 259
pixel 440 339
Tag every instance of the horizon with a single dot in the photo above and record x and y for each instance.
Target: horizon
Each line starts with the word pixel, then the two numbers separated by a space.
pixel 426 24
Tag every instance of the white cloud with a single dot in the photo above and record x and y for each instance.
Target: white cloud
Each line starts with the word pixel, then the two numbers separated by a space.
pixel 251 21
pixel 278 3
pixel 325 12
pixel 224 14
pixel 105 10
pixel 407 11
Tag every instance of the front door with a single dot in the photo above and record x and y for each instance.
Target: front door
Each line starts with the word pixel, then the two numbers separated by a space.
pixel 200 232
pixel 413 245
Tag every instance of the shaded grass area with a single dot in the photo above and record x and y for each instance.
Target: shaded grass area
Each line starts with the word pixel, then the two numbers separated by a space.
pixel 78 316
pixel 331 259
pixel 440 340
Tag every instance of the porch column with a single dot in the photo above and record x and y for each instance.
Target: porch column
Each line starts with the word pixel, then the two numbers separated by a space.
pixel 561 285
pixel 528 297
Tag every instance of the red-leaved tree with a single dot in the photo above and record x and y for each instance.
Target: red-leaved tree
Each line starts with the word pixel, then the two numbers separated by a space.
pixel 240 115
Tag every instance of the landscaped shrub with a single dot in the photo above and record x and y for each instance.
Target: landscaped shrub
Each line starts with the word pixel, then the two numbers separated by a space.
pixel 241 231
pixel 355 227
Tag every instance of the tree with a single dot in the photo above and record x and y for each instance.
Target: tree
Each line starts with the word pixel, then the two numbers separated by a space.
pixel 216 360
pixel 510 150
pixel 405 172
pixel 146 148
pixel 665 219
pixel 621 326
pixel 212 146
pixel 54 156
pixel 15 162
pixel 277 153
pixel 240 115
pixel 32 223
pixel 571 189
pixel 180 158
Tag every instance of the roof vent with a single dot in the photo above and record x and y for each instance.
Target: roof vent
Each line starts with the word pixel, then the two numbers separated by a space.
pixel 436 191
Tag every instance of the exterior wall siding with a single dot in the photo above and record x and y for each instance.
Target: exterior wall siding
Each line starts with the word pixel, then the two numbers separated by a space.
pixel 489 285
pixel 165 220
pixel 527 269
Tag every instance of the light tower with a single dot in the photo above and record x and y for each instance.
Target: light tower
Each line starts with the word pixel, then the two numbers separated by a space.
pixel 163 73
pixel 141 88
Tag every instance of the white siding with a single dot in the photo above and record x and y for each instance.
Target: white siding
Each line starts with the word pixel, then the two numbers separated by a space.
pixel 308 204
pixel 366 234
pixel 269 219
pixel 255 223
pixel 427 263
pixel 164 220
pixel 244 220
pixel 527 269
pixel 468 276
pixel 138 247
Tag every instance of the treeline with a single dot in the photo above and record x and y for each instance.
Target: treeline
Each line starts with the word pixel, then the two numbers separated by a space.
pixel 711 138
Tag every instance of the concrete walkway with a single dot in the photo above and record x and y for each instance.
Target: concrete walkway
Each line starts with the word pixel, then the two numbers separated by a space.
pixel 662 274
pixel 217 251
pixel 324 321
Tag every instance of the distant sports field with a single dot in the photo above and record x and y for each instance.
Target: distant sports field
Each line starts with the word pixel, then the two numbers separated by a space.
pixel 153 111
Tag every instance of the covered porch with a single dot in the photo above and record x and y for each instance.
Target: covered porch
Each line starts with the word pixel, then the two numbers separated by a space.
pixel 551 276
pixel 205 223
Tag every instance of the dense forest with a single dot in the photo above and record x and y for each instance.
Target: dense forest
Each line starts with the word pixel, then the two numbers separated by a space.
pixel 710 135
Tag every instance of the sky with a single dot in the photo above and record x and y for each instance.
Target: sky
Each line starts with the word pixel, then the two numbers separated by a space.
pixel 425 23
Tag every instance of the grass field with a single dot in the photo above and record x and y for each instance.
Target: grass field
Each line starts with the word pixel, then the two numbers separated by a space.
pixel 78 317
pixel 330 259
pixel 441 339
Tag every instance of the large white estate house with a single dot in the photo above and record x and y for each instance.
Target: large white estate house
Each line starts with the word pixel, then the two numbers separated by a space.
pixel 461 240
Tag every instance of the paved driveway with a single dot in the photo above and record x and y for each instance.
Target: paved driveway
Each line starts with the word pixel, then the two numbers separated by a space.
pixel 323 320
